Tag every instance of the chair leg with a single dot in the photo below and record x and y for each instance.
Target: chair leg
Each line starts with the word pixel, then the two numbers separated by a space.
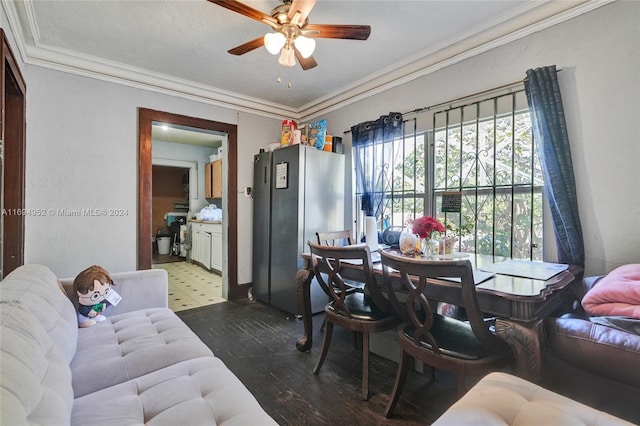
pixel 324 321
pixel 326 342
pixel 365 366
pixel 401 378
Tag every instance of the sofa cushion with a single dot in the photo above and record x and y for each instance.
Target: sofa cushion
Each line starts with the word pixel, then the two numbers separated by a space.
pixel 617 294
pixel 35 381
pixel 604 350
pixel 607 351
pixel 130 345
pixel 141 289
pixel 35 289
pixel 38 339
pixel 202 390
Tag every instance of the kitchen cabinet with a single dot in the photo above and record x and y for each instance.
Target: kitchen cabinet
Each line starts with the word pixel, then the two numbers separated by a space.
pixel 206 244
pixel 216 248
pixel 201 246
pixel 204 248
pixel 213 179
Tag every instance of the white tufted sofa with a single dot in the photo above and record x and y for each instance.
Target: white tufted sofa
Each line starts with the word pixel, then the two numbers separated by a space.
pixel 500 399
pixel 142 365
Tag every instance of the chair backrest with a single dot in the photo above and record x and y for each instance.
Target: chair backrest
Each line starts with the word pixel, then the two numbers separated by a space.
pixel 329 263
pixel 334 238
pixel 414 273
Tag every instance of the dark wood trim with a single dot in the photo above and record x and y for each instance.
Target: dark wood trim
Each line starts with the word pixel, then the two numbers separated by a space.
pixel 145 119
pixel 14 158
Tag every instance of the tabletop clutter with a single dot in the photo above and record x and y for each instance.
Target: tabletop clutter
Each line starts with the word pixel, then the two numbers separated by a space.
pixel 312 134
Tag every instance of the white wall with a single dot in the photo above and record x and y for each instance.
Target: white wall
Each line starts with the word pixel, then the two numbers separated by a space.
pixel 82 148
pixel 256 132
pixel 82 141
pixel 600 83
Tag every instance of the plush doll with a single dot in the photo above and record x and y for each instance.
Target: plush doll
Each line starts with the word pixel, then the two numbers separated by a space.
pixel 92 286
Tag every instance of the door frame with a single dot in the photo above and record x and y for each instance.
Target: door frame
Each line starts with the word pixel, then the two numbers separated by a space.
pixel 145 119
pixel 13 135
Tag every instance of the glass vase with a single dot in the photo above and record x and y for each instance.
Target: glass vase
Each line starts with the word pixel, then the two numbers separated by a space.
pixel 429 246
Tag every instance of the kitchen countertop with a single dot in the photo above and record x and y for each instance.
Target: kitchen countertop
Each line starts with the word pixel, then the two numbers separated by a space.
pixel 213 222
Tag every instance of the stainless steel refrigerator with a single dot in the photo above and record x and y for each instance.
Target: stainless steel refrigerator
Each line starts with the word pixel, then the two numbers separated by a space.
pixel 297 191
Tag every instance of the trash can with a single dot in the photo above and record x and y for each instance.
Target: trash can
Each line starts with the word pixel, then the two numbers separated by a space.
pixel 164 245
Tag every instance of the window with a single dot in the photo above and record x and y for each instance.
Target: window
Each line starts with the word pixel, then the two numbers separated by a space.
pixel 484 151
pixel 402 163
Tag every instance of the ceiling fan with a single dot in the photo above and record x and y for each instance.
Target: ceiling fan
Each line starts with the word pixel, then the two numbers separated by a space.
pixel 293 34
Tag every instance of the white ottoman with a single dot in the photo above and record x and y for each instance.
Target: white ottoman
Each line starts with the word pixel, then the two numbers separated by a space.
pixel 503 399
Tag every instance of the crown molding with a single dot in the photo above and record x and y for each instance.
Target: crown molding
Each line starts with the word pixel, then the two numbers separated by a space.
pixel 528 19
pixel 33 52
pixel 114 72
pixel 16 28
pixel 446 54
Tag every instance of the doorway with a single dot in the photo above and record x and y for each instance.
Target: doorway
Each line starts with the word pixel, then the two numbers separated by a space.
pixel 12 162
pixel 146 117
pixel 170 207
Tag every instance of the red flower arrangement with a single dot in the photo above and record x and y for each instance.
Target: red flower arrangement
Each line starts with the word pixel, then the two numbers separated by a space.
pixel 425 225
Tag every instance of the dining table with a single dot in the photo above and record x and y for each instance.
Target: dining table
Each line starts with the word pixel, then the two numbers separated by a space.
pixel 504 289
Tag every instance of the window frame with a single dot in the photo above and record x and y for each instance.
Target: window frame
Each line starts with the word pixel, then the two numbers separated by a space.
pixel 514 191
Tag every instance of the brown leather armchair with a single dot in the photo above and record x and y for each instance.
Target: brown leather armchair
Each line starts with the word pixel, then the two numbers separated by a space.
pixel 593 363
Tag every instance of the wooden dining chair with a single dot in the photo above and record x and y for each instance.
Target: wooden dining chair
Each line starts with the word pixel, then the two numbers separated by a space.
pixel 462 347
pixel 363 312
pixel 335 238
pixel 340 239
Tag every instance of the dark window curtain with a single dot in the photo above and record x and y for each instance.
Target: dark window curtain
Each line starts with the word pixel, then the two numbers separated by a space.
pixel 550 133
pixel 373 148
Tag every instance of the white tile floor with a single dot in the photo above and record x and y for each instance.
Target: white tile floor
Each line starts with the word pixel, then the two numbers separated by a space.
pixel 191 286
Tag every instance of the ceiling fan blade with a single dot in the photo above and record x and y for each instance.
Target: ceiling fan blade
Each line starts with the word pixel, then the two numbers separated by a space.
pixel 351 32
pixel 303 7
pixel 243 9
pixel 248 46
pixel 307 63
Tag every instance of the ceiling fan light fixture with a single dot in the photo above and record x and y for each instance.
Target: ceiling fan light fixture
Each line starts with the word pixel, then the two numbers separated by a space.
pixel 291 31
pixel 305 46
pixel 274 42
pixel 286 57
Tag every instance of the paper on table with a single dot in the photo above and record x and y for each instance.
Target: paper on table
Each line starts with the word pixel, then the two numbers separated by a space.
pixel 478 277
pixel 371 232
pixel 526 269
pixel 375 258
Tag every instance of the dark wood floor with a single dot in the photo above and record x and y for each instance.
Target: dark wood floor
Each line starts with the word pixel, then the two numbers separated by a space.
pixel 257 343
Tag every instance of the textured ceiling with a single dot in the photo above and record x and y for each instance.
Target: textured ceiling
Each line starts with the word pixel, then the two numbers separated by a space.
pixel 181 45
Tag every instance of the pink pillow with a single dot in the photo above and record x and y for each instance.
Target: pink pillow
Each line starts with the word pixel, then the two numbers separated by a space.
pixel 617 294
